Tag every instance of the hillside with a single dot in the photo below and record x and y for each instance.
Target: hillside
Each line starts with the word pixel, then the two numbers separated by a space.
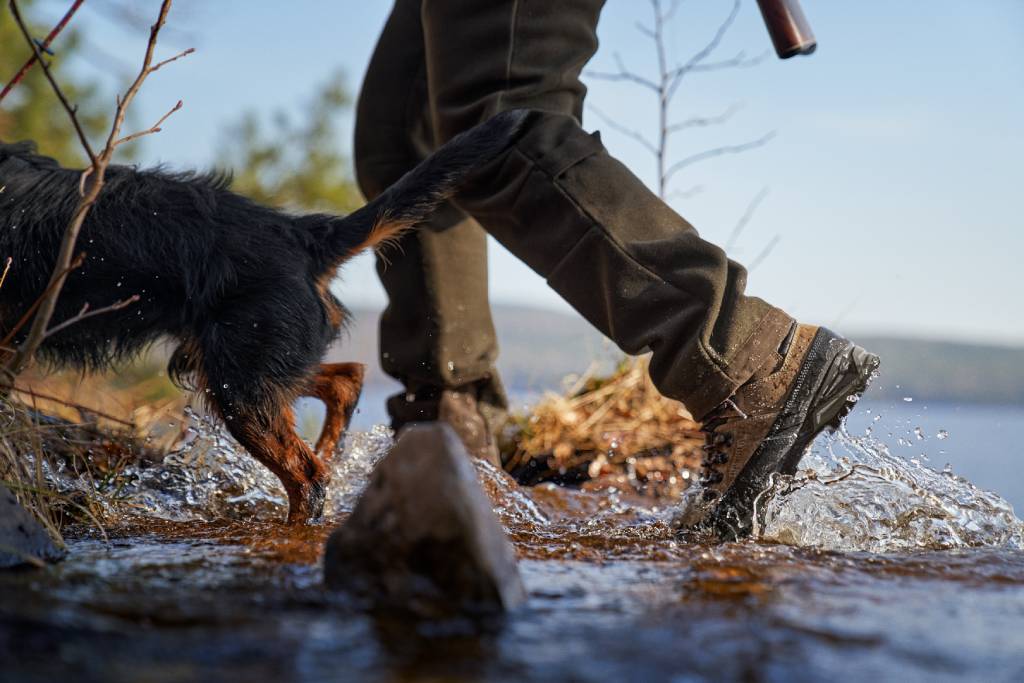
pixel 538 348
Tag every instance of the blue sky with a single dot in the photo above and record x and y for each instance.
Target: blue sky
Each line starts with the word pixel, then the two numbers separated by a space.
pixel 893 182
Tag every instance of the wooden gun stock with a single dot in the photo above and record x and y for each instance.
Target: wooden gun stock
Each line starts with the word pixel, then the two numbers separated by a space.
pixel 790 32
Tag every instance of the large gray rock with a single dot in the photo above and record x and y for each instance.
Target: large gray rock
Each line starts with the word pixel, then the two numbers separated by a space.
pixel 423 536
pixel 23 540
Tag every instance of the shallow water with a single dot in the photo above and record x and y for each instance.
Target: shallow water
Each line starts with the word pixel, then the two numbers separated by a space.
pixel 865 564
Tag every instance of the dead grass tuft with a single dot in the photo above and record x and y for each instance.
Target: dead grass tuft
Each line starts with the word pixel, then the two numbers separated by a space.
pixel 90 428
pixel 606 431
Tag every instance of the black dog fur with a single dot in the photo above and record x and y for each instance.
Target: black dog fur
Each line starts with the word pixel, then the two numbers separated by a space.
pixel 242 287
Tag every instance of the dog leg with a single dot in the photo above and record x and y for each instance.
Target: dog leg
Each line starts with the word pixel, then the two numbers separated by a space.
pixel 338 385
pixel 279 448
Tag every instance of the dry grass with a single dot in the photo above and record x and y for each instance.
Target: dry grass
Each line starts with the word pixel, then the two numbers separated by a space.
pixel 93 426
pixel 606 431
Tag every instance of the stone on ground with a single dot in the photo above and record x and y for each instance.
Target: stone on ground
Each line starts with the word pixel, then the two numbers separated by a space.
pixel 23 540
pixel 423 536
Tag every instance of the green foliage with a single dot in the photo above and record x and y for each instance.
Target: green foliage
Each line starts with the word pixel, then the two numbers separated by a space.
pixel 295 163
pixel 31 111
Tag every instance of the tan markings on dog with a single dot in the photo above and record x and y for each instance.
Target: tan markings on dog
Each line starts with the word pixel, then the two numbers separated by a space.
pixel 281 450
pixel 386 231
pixel 338 385
pixel 323 288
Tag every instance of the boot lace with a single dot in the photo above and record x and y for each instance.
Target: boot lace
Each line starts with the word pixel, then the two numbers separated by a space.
pixel 717 444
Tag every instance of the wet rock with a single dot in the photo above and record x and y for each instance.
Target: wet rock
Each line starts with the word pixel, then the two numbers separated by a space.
pixel 423 536
pixel 23 540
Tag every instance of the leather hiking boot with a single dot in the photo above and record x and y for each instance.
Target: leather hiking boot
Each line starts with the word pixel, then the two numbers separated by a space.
pixel 471 419
pixel 768 423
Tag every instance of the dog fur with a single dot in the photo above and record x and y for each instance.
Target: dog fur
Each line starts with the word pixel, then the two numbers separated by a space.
pixel 241 287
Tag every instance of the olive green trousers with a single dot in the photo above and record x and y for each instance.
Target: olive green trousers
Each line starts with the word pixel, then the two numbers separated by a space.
pixel 557 200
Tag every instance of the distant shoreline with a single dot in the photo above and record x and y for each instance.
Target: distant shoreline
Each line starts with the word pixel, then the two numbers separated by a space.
pixel 927 370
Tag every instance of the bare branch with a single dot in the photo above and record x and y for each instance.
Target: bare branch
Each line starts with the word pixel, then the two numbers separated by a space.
pixel 687 193
pixel 155 128
pixel 27 315
pixel 7 267
pixel 759 259
pixel 676 76
pixel 91 186
pixel 624 74
pixel 738 62
pixel 628 132
pixel 129 17
pixel 44 45
pixel 133 89
pixel 86 312
pixel 159 65
pixel 715 152
pixel 71 404
pixel 670 12
pixel 745 219
pixel 71 110
pixel 702 121
pixel 649 32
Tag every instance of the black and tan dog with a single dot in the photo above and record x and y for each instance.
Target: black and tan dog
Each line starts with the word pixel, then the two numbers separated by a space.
pixel 241 287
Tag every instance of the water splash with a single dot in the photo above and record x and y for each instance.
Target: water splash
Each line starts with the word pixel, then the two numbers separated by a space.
pixel 209 476
pixel 852 494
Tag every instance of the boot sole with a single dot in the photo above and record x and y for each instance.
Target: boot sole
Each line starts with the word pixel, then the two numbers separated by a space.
pixel 832 377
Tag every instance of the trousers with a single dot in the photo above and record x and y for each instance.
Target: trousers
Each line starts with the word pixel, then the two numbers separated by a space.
pixel 557 200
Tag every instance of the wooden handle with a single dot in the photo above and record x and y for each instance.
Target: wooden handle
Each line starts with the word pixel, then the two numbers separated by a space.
pixel 790 32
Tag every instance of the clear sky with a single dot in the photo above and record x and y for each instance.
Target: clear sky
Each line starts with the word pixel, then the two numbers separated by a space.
pixel 894 182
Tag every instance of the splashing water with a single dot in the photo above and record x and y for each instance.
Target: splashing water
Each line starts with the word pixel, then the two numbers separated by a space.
pixel 851 495
pixel 210 476
pixel 854 495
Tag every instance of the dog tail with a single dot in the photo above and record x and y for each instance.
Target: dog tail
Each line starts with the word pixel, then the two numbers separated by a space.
pixel 418 193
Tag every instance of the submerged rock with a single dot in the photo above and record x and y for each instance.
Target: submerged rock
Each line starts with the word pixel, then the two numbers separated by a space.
pixel 423 536
pixel 23 540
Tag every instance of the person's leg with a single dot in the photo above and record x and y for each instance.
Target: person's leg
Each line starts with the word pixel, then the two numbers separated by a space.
pixel 625 260
pixel 436 334
pixel 762 385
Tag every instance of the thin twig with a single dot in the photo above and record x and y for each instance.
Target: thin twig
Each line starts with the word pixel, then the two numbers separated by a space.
pixel 759 259
pixel 7 267
pixel 71 404
pixel 628 132
pixel 703 121
pixel 27 315
pixel 90 190
pixel 676 76
pixel 71 110
pixel 623 74
pixel 87 313
pixel 740 61
pixel 741 224
pixel 155 128
pixel 44 45
pixel 715 152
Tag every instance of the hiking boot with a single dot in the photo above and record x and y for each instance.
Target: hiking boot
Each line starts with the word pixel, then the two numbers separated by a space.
pixel 471 419
pixel 768 423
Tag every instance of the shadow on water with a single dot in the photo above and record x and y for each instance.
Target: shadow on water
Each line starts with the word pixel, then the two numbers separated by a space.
pixel 866 565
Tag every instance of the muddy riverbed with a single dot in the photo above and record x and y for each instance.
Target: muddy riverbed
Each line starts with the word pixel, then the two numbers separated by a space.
pixel 865 565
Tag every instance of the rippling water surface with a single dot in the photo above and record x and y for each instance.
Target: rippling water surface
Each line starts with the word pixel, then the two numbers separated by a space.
pixel 864 564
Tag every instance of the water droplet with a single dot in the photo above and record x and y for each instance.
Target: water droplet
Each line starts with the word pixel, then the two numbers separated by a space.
pixel 908 399
pixel 225 386
pixel 919 433
pixel 942 434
